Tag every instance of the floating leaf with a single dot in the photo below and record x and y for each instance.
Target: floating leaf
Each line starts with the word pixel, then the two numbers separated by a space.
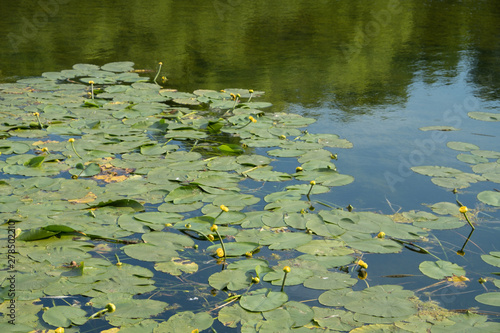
pixel 64 316
pixel 263 300
pixel 329 280
pixel 185 322
pixel 230 279
pixel 177 266
pixel 233 315
pixel 438 128
pixel 493 258
pixel 436 171
pixel 489 298
pixel 121 203
pixel 490 198
pixel 440 269
pixel 484 116
pixel 382 301
pixel 461 146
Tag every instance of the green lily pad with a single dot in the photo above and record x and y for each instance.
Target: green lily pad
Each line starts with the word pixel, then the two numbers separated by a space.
pixel 235 249
pixel 490 198
pixel 438 128
pixel 64 316
pixel 461 146
pixel 493 258
pixel 230 279
pixel 489 298
pixel 468 322
pixel 148 252
pixel 484 116
pixel 382 301
pixel 233 315
pixel 436 171
pixel 263 300
pixel 440 269
pixel 330 280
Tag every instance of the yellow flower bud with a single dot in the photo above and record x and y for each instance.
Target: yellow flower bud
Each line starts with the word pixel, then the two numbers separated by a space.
pixel 252 119
pixel 282 137
pixel 255 279
pixel 381 234
pixel 91 82
pixel 211 238
pixel 160 63
pixel 250 91
pixel 45 149
pixel 195 330
pixel 362 264
pixel 287 269
pixel 187 225
pixel 224 208
pixel 111 307
pixel 220 252
pixel 59 330
pixel 118 264
pixel 482 280
pixel 312 182
pixel 71 140
pixel 463 209
pixel 222 91
pixel 36 114
pixel 362 275
pixel 214 228
pixel 248 254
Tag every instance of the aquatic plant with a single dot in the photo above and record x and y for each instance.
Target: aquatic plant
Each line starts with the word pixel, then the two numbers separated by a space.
pixel 160 174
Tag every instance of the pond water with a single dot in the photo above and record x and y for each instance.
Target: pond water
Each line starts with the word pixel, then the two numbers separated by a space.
pixel 374 73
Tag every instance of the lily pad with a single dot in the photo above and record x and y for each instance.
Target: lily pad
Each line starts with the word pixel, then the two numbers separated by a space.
pixel 440 269
pixel 263 300
pixel 490 198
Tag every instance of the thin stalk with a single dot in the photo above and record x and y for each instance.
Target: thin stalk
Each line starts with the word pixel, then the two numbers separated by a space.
pixel 37 115
pixel 158 73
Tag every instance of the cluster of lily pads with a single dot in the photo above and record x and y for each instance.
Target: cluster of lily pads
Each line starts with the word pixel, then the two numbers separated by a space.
pixel 124 194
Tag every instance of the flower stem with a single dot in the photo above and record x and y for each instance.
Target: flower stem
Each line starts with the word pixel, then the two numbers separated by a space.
pixel 283 284
pixel 74 149
pixel 37 115
pixel 467 218
pixel 158 73
pixel 221 243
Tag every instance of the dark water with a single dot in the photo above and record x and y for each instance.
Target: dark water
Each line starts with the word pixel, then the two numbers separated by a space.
pixel 373 72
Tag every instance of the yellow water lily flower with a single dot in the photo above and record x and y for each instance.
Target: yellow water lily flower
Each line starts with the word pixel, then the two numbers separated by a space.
pixel 463 209
pixel 220 252
pixel 252 119
pixel 224 208
pixel 362 264
pixel 111 307
pixel 287 269
pixel 214 228
pixel 71 140
pixel 381 234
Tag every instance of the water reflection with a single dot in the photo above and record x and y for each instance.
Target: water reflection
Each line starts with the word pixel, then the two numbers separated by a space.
pixel 353 54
